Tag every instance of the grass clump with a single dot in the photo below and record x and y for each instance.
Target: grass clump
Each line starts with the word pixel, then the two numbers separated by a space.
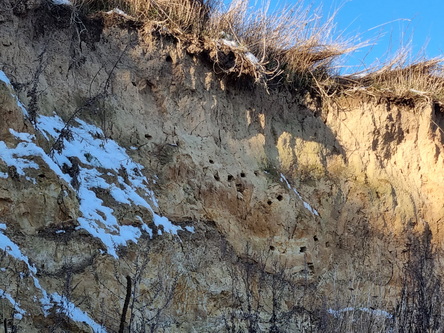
pixel 181 16
pixel 424 77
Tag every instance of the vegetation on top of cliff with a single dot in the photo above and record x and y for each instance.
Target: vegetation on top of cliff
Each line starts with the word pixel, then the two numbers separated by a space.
pixel 294 47
pixel 422 78
pixel 287 48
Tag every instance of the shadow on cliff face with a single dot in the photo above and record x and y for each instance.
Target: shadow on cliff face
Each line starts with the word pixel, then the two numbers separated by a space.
pixel 288 123
pixel 438 119
pixel 175 74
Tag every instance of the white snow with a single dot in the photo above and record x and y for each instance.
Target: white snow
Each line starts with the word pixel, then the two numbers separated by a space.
pixel 22 136
pixel 376 312
pixel 99 159
pixel 70 310
pixel 96 152
pixel 47 301
pixel 116 11
pixel 248 55
pixel 62 2
pixel 13 157
pixel 13 250
pixel 4 78
pixel 167 225
pixel 252 58
pixel 145 227
pixel 309 208
pixel 19 311
pixel 20 157
pixel 190 229
pixel 305 203
pixel 230 43
pixel 120 12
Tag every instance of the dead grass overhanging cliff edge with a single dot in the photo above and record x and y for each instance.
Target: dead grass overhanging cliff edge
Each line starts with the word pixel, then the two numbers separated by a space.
pixel 293 47
pixel 288 47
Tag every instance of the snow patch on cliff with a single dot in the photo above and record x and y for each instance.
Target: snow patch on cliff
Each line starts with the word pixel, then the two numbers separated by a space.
pixel 4 78
pixel 47 302
pixel 375 312
pixel 13 250
pixel 93 164
pixel 305 203
pixel 62 2
pixel 21 156
pixel 121 13
pixel 93 159
pixel 22 136
pixel 67 308
pixel 19 312
pixel 228 41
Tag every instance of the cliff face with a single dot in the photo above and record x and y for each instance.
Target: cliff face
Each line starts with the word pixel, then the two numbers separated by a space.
pixel 227 206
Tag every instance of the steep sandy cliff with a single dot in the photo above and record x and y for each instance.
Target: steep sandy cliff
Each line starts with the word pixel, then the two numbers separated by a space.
pixel 229 207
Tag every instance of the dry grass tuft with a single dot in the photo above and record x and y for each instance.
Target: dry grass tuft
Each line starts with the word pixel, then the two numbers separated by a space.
pixel 399 77
pixel 189 16
pixel 294 41
pixel 422 77
pixel 186 16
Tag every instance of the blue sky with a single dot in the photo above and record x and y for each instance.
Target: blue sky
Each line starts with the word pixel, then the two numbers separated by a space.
pixel 395 22
pixel 392 22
